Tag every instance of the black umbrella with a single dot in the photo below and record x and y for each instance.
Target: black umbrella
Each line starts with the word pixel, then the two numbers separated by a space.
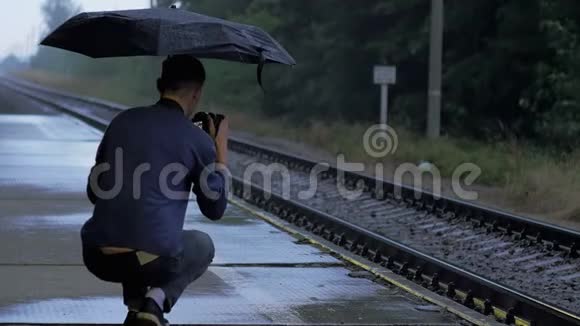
pixel 166 31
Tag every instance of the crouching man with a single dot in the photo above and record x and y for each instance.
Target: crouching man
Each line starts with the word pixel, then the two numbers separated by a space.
pixel 148 162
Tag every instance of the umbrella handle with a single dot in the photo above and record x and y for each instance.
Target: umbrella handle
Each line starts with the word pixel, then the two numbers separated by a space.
pixel 261 69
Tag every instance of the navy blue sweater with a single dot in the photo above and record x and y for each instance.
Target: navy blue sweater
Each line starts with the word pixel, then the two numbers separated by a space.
pixel 155 155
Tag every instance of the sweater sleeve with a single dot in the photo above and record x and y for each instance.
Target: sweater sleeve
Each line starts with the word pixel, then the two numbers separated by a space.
pixel 209 183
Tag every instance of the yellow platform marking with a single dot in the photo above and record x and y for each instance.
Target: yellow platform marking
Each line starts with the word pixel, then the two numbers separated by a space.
pixel 382 273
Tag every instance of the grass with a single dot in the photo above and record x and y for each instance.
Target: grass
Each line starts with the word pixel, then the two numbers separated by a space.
pixel 514 176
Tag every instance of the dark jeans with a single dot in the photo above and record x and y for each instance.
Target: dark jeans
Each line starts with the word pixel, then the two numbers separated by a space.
pixel 171 274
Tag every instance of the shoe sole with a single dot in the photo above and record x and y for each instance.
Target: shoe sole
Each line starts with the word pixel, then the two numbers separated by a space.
pixel 147 319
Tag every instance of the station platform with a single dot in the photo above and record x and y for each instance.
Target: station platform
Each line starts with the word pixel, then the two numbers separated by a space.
pixel 260 275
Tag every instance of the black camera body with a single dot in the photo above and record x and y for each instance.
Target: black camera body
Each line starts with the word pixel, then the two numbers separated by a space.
pixel 204 119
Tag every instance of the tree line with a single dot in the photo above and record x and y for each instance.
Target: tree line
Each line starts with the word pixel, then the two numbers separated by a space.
pixel 511 67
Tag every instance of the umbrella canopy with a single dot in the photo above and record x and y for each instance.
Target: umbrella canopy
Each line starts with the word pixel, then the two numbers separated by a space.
pixel 166 31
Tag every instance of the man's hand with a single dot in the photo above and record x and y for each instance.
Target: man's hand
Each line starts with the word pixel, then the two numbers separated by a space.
pixel 221 142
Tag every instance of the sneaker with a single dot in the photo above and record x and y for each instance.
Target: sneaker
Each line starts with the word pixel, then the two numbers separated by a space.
pixel 131 319
pixel 150 314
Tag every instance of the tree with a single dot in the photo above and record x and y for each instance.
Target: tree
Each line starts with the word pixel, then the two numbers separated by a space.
pixel 511 67
pixel 57 12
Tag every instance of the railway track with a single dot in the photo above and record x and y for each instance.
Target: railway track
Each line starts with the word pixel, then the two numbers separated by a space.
pixel 520 270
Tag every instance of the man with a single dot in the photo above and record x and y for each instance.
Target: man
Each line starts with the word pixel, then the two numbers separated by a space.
pixel 146 165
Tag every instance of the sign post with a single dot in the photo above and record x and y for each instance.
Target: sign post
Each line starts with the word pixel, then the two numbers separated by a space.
pixel 385 76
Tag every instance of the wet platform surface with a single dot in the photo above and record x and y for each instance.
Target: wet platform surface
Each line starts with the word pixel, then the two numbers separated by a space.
pixel 260 275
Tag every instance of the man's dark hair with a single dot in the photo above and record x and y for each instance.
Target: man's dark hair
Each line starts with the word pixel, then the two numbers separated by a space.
pixel 179 71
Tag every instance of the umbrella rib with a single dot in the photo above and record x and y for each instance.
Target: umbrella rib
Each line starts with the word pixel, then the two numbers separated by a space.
pixel 232 42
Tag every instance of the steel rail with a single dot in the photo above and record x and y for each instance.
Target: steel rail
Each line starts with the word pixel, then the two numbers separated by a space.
pixel 488 297
pixel 472 290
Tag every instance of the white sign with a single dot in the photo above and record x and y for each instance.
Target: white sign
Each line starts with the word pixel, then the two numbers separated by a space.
pixel 385 75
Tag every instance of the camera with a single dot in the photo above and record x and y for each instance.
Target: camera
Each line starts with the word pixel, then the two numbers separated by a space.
pixel 204 119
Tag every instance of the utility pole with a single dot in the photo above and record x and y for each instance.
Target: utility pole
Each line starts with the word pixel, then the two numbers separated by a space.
pixel 153 3
pixel 435 69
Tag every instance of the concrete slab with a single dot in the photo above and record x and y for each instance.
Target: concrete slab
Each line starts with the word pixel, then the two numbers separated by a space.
pixel 47 233
pixel 45 148
pixel 30 182
pixel 42 127
pixel 247 295
pixel 260 275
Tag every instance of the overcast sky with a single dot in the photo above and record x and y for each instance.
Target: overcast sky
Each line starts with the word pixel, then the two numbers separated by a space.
pixel 21 21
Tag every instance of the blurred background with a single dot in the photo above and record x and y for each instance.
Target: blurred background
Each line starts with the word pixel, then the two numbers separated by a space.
pixel 511 83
